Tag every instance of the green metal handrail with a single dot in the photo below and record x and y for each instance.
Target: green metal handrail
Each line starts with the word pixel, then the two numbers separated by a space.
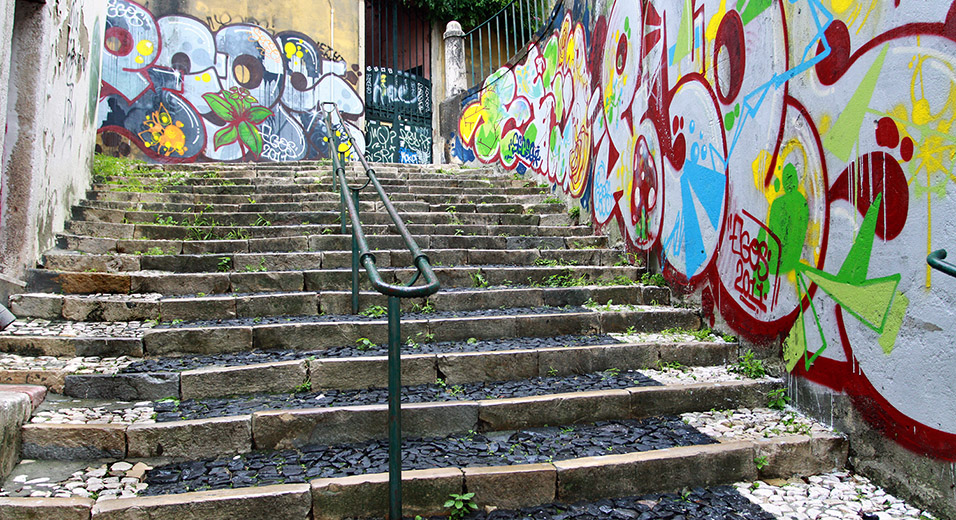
pixel 935 260
pixel 362 254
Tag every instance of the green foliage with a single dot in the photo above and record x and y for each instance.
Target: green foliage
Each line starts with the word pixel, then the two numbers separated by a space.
pixel 671 365
pixel 364 344
pixel 225 264
pixel 374 311
pixel 257 268
pixel 653 279
pixel 261 221
pixel 460 505
pixel 778 399
pixel 574 213
pixel 479 281
pixel 153 251
pixel 426 307
pixel 551 199
pixel 304 387
pixel 748 366
pixel 761 462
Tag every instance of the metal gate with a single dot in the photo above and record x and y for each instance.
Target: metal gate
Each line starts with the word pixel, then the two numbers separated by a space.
pixel 398 88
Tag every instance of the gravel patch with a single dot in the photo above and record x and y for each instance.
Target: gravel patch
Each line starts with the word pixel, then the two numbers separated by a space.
pixel 119 479
pixel 172 410
pixel 720 502
pixel 838 495
pixel 72 329
pixel 682 375
pixel 533 445
pixel 138 413
pixel 420 347
pixel 72 365
pixel 752 424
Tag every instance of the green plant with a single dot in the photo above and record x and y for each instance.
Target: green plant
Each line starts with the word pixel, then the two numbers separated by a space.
pixel 478 280
pixel 441 383
pixel 630 331
pixel 237 234
pixel 653 279
pixel 552 371
pixel 364 344
pixel 167 221
pixel 574 213
pixel 200 294
pixel 778 399
pixel 671 365
pixel 551 199
pixel 225 264
pixel 748 366
pixel 304 387
pixel 176 322
pixel 610 373
pixel 426 307
pixel 374 311
pixel 728 338
pixel 261 221
pixel 471 341
pixel 761 461
pixel 460 505
pixel 425 337
pixel 251 200
pixel 456 390
pixel 261 267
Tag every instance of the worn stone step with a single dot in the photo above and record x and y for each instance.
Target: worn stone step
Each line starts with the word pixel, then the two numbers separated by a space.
pixel 296 428
pixel 193 198
pixel 70 339
pixel 266 189
pixel 362 372
pixel 321 242
pixel 253 278
pixel 156 306
pixel 364 206
pixel 60 260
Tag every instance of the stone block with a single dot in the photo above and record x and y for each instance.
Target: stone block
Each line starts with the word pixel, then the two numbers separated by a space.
pixel 571 408
pixel 468 367
pixel 674 399
pixel 74 441
pixel 169 284
pixel 484 327
pixel 211 308
pixel 292 501
pixel 584 360
pixel 279 244
pixel 75 508
pixel 799 455
pixel 223 381
pixel 178 341
pixel 39 345
pixel 108 347
pixel 90 283
pixel 512 487
pixel 36 393
pixel 136 386
pixel 47 306
pixel 699 354
pixel 52 379
pixel 15 410
pixel 294 304
pixel 304 336
pixel 370 372
pixel 210 437
pixel 671 469
pixel 276 281
pixel 168 247
pixel 423 493
pixel 543 325
pixel 78 309
pixel 205 247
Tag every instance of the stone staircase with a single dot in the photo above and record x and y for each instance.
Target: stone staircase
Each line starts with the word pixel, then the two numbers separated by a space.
pixel 193 329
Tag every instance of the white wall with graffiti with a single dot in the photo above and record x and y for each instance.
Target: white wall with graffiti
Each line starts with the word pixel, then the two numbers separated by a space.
pixel 790 161
pixel 174 90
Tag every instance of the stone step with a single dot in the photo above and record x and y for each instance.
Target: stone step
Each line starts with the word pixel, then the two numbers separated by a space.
pixel 298 428
pixel 70 339
pixel 193 198
pixel 323 242
pixel 253 278
pixel 149 183
pixel 273 189
pixel 364 207
pixel 60 260
pixel 362 372
pixel 156 306
pixel 207 219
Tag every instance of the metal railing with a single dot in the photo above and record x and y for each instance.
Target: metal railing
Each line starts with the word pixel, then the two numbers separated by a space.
pixel 936 261
pixel 503 36
pixel 361 254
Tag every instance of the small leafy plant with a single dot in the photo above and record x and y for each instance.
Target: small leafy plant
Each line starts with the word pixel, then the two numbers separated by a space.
pixel 225 264
pixel 460 505
pixel 748 366
pixel 364 344
pixel 778 399
pixel 374 311
pixel 761 462
pixel 656 279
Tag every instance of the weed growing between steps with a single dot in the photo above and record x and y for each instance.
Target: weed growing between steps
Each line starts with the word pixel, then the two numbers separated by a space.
pixel 177 364
pixel 527 446
pixel 611 379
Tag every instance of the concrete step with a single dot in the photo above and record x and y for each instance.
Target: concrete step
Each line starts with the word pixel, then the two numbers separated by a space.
pixel 254 278
pixel 320 242
pixel 61 260
pixel 67 338
pixel 302 427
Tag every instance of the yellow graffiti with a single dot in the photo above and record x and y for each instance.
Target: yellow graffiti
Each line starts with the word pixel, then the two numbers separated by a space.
pixel 162 132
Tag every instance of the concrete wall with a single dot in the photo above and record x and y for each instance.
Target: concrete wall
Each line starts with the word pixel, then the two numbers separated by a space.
pixel 787 163
pixel 172 68
pixel 51 87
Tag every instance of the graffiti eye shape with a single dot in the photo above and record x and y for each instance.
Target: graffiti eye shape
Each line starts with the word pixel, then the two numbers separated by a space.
pixel 299 81
pixel 181 62
pixel 248 71
pixel 621 53
pixel 119 41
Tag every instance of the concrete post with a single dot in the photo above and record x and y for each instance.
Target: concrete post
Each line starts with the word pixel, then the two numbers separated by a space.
pixel 455 81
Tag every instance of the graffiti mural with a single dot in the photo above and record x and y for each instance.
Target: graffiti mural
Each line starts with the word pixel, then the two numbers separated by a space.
pixel 791 161
pixel 176 91
pixel 399 116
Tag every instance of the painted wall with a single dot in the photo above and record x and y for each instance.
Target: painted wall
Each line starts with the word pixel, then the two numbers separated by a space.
pixel 787 161
pixel 54 64
pixel 227 80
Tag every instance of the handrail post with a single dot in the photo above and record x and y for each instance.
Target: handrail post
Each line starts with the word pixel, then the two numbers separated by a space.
pixel 394 409
pixel 355 258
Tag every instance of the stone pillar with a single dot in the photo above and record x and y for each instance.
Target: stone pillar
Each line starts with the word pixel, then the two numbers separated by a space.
pixel 455 81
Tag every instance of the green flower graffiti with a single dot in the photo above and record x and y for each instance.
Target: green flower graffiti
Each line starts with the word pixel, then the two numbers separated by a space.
pixel 238 109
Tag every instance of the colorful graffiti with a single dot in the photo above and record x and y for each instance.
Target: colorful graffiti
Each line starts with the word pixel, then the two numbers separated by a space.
pixel 784 159
pixel 176 91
